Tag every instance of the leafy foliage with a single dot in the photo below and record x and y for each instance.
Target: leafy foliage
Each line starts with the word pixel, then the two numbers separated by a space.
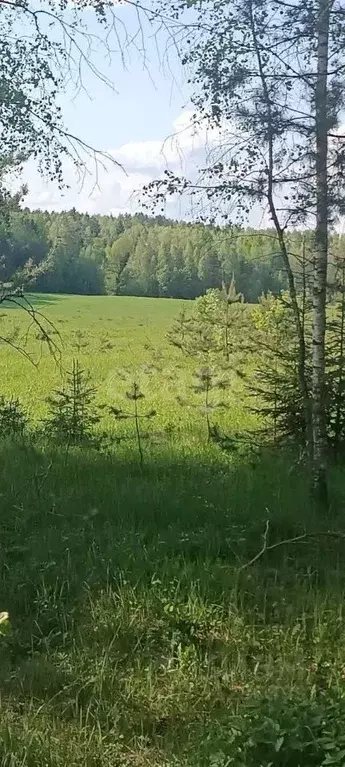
pixel 72 252
pixel 259 345
pixel 275 381
pixel 247 73
pixel 44 45
pixel 284 732
pixel 214 328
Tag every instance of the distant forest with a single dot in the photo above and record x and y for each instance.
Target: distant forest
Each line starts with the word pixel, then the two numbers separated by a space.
pixel 137 255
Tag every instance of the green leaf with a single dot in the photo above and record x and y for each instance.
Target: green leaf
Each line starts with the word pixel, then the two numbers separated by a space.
pixel 5 625
pixel 279 743
pixel 338 758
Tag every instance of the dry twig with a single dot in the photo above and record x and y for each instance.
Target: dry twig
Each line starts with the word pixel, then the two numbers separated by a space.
pixel 296 539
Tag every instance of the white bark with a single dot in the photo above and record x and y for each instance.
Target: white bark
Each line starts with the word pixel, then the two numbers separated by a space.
pixel 321 256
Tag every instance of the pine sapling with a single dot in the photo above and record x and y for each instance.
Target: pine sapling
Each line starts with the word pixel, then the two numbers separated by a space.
pixel 135 395
pixel 229 296
pixel 192 335
pixel 72 409
pixel 13 418
pixel 205 384
pixel 213 329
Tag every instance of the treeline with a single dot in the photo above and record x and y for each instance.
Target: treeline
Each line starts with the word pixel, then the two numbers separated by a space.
pixel 137 255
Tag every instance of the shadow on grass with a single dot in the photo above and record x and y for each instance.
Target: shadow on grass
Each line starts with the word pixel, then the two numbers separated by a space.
pixel 64 513
pixel 37 300
pixel 123 588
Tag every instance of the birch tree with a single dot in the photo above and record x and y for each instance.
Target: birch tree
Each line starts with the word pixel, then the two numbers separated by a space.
pixel 48 47
pixel 323 10
pixel 268 76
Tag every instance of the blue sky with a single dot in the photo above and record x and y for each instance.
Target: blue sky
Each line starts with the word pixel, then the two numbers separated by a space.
pixel 146 100
pixel 143 123
pixel 150 104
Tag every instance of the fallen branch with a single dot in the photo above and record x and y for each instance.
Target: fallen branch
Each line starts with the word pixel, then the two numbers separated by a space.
pixel 296 539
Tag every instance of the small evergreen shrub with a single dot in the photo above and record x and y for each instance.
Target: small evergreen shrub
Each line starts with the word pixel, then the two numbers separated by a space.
pixel 13 419
pixel 73 412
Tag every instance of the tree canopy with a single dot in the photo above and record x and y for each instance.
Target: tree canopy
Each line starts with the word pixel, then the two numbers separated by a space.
pixel 73 252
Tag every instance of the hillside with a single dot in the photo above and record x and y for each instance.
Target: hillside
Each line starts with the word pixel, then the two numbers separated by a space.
pixel 138 255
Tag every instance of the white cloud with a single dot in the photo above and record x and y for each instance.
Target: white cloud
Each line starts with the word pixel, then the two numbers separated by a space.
pixel 116 189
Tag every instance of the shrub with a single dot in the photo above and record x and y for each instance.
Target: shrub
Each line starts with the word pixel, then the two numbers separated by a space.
pixel 280 732
pixel 13 419
pixel 72 410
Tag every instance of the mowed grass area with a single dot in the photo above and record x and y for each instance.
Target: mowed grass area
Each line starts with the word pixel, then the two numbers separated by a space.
pixel 136 638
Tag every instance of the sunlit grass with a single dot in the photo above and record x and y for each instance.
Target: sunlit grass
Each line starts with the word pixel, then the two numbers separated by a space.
pixel 134 637
pixel 118 340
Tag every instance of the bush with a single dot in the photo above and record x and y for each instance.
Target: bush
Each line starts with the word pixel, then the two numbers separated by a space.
pixel 13 419
pixel 283 733
pixel 72 410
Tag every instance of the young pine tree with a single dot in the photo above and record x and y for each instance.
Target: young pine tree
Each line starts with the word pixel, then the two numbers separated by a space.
pixel 72 410
pixel 137 415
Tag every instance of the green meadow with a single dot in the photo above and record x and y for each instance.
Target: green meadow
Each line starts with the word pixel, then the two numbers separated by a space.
pixel 140 632
pixel 117 340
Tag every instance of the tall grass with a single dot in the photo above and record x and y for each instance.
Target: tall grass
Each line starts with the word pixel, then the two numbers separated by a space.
pixel 135 637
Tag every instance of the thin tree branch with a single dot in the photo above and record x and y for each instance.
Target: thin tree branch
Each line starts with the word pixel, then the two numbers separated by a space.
pixel 296 539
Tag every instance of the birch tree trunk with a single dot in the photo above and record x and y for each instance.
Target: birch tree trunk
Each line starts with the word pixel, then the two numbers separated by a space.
pixel 319 479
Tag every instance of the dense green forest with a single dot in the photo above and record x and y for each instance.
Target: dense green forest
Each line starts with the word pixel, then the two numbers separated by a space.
pixel 137 255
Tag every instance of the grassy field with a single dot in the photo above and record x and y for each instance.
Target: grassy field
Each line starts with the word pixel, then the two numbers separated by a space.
pixel 136 636
pixel 118 340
